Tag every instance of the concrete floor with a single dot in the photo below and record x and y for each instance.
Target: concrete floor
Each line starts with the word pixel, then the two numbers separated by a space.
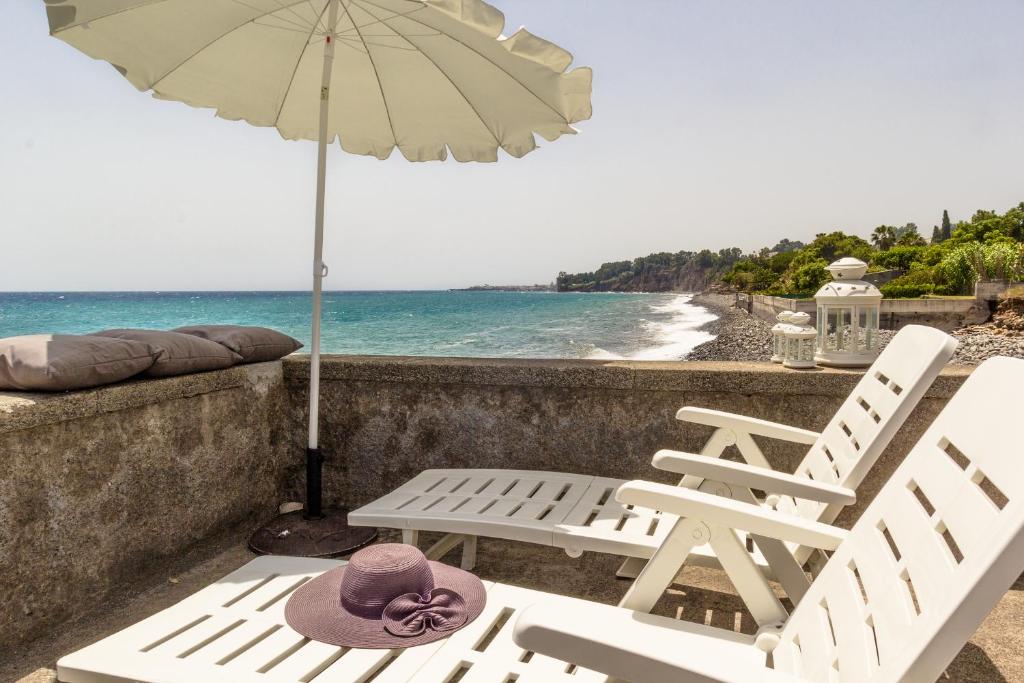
pixel 994 654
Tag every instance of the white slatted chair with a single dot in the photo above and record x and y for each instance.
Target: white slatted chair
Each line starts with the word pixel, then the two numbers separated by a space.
pixel 901 594
pixel 580 513
pixel 897 600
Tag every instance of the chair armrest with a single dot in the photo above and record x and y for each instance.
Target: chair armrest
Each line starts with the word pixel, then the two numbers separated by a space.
pixel 741 473
pixel 748 425
pixel 730 513
pixel 635 646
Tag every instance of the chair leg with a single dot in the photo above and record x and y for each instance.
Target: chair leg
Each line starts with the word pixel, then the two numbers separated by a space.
pixel 411 537
pixel 469 553
pixel 747 577
pixel 661 570
pixel 630 568
pixel 786 569
pixel 444 545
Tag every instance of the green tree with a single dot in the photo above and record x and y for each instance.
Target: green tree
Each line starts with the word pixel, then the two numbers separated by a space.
pixel 936 234
pixel 884 237
pixel 947 228
pixel 910 237
pixel 785 245
pixel 808 278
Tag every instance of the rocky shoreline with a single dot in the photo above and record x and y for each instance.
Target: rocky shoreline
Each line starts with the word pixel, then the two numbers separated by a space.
pixel 740 336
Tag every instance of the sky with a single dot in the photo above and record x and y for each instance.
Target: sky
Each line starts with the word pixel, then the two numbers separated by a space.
pixel 717 123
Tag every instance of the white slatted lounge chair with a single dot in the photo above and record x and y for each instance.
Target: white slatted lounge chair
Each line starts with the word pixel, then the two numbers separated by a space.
pixel 579 512
pixel 901 594
pixel 897 600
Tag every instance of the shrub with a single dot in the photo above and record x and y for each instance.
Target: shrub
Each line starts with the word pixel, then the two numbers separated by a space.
pixel 891 290
pixel 898 258
pixel 958 268
pixel 968 263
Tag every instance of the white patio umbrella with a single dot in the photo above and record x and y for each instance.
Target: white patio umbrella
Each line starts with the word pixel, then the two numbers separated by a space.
pixel 426 76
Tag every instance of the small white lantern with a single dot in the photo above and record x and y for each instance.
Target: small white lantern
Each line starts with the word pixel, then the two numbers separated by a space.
pixel 799 342
pixel 848 312
pixel 779 336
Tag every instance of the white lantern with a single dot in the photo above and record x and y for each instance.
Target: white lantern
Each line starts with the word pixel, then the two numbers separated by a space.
pixel 779 336
pixel 799 342
pixel 848 312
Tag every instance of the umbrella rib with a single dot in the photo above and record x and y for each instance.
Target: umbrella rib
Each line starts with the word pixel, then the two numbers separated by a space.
pixel 106 16
pixel 219 38
pixel 292 11
pixel 291 81
pixel 284 19
pixel 376 73
pixel 471 49
pixel 440 70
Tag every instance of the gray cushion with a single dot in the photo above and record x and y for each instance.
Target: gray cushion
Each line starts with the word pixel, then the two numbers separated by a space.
pixel 177 353
pixel 59 362
pixel 253 344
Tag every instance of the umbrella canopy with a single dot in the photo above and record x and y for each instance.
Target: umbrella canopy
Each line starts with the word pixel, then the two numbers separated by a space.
pixel 425 77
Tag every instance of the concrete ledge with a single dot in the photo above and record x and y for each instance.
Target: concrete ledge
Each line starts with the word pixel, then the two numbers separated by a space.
pixel 25 410
pixel 692 376
pixel 470 371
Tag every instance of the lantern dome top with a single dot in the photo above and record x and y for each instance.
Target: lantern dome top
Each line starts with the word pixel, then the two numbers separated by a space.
pixel 848 289
pixel 846 283
pixel 848 268
pixel 799 319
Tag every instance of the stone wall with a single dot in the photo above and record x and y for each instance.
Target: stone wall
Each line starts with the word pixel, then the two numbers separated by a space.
pixel 945 313
pixel 103 491
pixel 99 489
pixel 385 419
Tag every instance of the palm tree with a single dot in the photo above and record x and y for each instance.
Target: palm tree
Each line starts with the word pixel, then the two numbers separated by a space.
pixel 884 237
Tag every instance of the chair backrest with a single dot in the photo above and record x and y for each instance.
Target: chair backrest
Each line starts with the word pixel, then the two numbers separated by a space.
pixel 931 555
pixel 865 424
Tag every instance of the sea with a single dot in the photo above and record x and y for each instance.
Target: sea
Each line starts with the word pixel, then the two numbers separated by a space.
pixel 420 323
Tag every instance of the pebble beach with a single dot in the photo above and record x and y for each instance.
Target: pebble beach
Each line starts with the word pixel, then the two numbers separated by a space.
pixel 740 336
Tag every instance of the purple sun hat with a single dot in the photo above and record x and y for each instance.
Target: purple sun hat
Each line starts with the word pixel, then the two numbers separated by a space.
pixel 388 596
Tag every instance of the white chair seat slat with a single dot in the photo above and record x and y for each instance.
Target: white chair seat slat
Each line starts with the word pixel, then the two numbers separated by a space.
pixel 194 638
pixel 502 507
pixel 501 484
pixel 923 553
pixel 817 650
pixel 312 657
pixel 639 522
pixel 272 595
pixel 382 666
pixel 234 643
pixel 889 611
pixel 941 481
pixel 848 615
pixel 527 485
pixel 262 655
pixel 485 652
pixel 529 510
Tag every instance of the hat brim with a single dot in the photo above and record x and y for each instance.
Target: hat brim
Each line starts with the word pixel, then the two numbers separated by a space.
pixel 315 611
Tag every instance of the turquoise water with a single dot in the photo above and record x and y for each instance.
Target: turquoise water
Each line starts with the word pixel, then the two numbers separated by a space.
pixel 492 324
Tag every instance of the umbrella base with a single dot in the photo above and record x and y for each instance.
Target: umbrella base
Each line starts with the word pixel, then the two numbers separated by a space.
pixel 329 536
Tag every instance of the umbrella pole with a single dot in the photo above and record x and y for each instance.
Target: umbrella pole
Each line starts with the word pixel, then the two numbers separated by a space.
pixel 314 458
pixel 315 531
